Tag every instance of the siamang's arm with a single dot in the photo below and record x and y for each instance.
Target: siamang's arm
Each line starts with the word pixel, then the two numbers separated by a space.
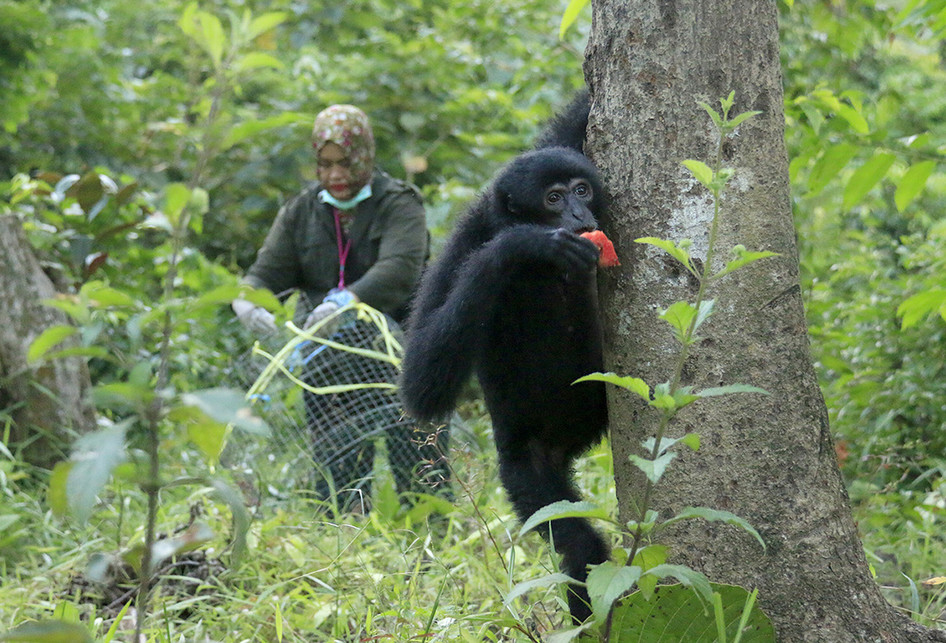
pixel 454 308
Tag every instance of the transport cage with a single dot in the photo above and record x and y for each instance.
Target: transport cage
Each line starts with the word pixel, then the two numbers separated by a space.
pixel 330 398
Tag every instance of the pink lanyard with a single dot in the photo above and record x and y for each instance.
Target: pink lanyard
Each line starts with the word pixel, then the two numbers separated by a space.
pixel 342 252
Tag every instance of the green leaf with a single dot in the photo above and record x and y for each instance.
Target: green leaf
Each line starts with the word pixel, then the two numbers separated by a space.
pixel 265 22
pixel 571 14
pixel 730 389
pixel 176 197
pixel 93 458
pixel 242 131
pixel 633 384
pixel 701 171
pixel 257 60
pixel 689 577
pixel 713 114
pixel 49 338
pixel 828 166
pixel 918 306
pixel 653 469
pixel 645 526
pixel 241 518
pixel 854 118
pixel 680 315
pixel 677 251
pixel 675 614
pixel 206 30
pixel 735 122
pixel 204 432
pixel 608 582
pixel 742 258
pixel 100 295
pixel 563 509
pixel 536 583
pixel 190 539
pixel 866 177
pixel 715 515
pixel 48 632
pixel 912 183
pixel 227 406
pixel 691 440
pixel 647 558
pixel 56 493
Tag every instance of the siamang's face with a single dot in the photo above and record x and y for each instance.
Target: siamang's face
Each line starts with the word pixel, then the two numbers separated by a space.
pixel 555 187
pixel 570 204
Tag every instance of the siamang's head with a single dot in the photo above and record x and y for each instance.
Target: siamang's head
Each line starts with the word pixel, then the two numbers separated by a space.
pixel 553 186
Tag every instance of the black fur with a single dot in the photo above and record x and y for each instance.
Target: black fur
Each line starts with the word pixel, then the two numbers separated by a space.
pixel 512 296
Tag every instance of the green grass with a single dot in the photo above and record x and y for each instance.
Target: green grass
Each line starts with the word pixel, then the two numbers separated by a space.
pixel 424 572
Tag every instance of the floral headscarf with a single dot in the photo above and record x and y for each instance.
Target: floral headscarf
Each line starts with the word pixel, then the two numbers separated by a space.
pixel 348 127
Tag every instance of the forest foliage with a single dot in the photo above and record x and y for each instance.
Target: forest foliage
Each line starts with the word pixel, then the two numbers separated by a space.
pixel 110 106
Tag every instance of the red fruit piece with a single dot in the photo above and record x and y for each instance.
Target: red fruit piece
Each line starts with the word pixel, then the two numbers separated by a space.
pixel 608 258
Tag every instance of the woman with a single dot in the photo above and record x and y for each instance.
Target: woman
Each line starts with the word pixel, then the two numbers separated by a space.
pixel 356 235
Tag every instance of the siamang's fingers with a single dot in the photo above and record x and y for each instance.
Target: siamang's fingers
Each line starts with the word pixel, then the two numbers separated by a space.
pixel 575 253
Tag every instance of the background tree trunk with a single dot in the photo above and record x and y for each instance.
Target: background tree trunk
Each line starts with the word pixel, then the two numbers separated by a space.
pixel 46 401
pixel 769 459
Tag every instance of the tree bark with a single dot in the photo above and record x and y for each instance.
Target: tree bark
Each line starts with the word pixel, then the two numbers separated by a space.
pixel 47 401
pixel 769 459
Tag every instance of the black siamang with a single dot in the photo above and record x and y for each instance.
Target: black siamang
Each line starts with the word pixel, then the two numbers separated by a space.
pixel 512 296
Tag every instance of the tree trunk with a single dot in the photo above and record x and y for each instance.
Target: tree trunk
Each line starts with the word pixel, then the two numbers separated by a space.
pixel 47 401
pixel 769 459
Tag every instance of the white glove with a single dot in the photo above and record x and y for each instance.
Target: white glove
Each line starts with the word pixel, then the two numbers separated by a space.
pixel 320 312
pixel 334 300
pixel 255 319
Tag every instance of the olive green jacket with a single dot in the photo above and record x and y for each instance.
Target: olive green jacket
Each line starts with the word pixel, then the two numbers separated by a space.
pixel 389 245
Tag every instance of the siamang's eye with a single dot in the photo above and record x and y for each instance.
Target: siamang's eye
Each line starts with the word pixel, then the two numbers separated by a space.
pixel 582 189
pixel 553 197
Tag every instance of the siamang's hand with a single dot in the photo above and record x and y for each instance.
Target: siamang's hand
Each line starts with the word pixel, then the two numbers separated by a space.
pixel 575 255
pixel 566 251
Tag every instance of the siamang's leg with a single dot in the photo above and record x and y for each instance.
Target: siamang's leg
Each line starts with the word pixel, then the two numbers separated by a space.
pixel 533 481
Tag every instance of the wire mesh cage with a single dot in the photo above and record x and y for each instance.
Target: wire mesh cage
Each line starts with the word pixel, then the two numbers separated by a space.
pixel 329 394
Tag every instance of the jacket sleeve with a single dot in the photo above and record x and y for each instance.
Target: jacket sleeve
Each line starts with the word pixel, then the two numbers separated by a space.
pixel 401 253
pixel 277 263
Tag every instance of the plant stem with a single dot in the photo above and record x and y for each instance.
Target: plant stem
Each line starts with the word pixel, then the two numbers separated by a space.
pixel 703 278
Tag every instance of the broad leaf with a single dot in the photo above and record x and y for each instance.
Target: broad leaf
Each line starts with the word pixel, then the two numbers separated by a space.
pixel 701 171
pixel 675 614
pixel 715 515
pixel 632 384
pixel 227 406
pixel 93 458
pixel 536 583
pixel 828 166
pixel 49 338
pixel 653 469
pixel 606 583
pixel 563 509
pixel 571 14
pixel 866 177
pixel 730 389
pixel 912 183
pixel 676 250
